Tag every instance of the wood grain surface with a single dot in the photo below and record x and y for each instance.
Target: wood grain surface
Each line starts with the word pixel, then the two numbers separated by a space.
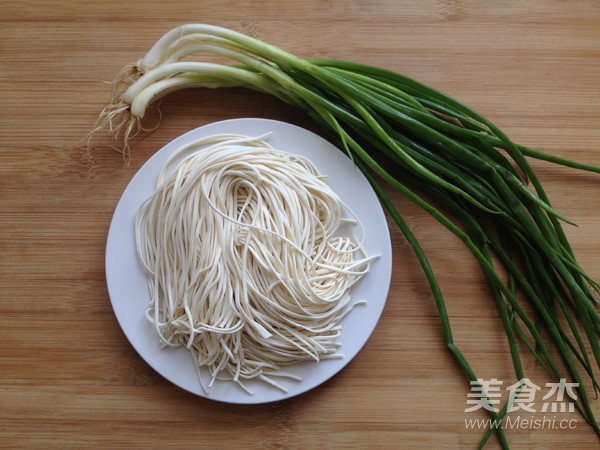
pixel 68 376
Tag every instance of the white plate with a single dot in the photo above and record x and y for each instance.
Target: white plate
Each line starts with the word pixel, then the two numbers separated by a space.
pixel 128 288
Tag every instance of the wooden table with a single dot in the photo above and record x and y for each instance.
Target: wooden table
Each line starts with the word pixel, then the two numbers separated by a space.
pixel 68 375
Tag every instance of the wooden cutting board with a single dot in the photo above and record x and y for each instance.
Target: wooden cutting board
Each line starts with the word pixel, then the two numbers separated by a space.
pixel 68 375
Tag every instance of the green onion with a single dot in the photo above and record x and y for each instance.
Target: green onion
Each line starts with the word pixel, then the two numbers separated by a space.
pixel 425 144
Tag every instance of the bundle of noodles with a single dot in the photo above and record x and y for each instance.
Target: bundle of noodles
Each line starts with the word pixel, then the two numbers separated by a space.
pixel 246 265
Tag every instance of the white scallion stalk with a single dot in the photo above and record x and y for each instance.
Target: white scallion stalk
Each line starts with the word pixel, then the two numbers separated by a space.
pixel 160 88
pixel 155 55
pixel 169 71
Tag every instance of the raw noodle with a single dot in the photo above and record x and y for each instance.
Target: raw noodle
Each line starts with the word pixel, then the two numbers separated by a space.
pixel 246 264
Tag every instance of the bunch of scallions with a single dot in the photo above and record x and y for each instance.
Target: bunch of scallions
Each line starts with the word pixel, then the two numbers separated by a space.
pixel 426 145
